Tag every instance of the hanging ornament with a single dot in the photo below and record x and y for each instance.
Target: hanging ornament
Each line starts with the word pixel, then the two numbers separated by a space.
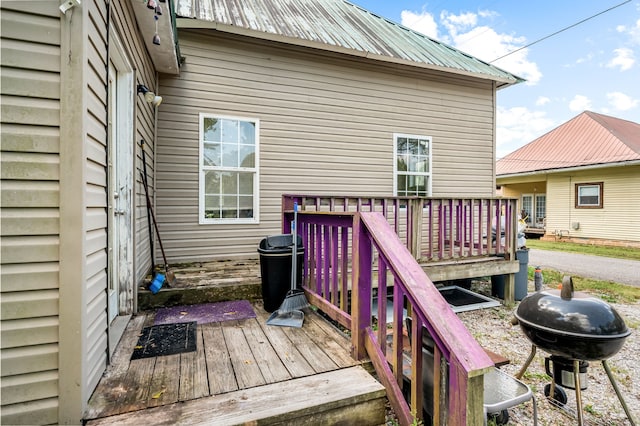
pixel 156 37
pixel 151 4
pixel 158 10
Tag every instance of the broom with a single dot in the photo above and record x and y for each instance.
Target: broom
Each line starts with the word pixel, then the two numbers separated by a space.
pixel 295 299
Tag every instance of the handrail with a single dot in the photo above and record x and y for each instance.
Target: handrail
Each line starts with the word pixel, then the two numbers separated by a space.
pixel 330 241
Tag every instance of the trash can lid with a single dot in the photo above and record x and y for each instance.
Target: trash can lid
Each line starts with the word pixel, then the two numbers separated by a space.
pixel 279 243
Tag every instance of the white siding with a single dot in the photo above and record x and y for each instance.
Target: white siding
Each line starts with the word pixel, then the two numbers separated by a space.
pixel 619 219
pixel 30 218
pixel 327 127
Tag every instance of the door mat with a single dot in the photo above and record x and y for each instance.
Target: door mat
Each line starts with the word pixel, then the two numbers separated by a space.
pixel 166 339
pixel 206 312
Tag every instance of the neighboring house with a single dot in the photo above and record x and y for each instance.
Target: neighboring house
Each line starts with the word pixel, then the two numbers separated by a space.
pixel 579 181
pixel 273 97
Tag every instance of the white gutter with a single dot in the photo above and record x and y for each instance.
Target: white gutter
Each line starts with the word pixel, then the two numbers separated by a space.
pixel 570 169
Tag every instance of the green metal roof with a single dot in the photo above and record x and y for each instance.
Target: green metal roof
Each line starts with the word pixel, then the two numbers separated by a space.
pixel 335 25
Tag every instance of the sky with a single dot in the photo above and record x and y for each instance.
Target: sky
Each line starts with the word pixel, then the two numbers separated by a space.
pixel 592 66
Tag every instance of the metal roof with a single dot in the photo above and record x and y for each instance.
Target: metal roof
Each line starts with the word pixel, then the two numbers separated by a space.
pixel 586 140
pixel 334 25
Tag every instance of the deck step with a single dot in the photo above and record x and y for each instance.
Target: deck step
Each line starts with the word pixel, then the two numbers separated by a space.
pixel 348 396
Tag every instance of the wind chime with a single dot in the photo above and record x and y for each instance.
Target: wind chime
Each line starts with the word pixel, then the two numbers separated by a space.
pixel 157 11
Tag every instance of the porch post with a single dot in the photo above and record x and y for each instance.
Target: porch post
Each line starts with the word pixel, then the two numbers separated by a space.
pixel 414 229
pixel 361 294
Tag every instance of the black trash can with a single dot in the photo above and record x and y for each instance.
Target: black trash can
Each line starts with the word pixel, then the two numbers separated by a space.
pixel 276 253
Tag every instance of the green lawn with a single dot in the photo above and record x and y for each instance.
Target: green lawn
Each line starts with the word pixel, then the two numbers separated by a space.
pixel 606 251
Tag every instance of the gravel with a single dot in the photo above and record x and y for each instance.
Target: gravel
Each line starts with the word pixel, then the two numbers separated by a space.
pixel 492 328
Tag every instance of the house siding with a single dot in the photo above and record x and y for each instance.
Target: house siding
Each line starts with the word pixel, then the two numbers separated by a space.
pixel 326 126
pixel 54 203
pixel 30 33
pixel 619 219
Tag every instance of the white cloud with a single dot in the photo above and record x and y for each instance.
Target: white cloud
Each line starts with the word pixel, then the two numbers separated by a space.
pixel 623 59
pixel 481 41
pixel 518 126
pixel 580 103
pixel 633 32
pixel 621 102
pixel 422 22
pixel 542 100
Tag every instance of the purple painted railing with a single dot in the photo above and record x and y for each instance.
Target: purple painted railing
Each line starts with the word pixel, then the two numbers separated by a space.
pixel 433 229
pixel 341 251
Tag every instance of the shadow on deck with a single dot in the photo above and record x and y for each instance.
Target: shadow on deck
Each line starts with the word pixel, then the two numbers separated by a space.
pixel 242 371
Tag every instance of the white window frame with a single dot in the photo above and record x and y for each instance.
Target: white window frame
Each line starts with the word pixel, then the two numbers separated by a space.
pixel 427 175
pixel 202 169
pixel 529 220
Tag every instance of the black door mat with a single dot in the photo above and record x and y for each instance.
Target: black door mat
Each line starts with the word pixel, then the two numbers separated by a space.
pixel 166 339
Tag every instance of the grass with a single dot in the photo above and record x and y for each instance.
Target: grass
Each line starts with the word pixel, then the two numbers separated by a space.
pixel 607 290
pixel 595 250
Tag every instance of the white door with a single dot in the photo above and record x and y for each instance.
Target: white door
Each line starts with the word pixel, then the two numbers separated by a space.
pixel 121 179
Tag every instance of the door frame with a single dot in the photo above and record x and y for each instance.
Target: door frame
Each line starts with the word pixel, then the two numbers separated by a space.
pixel 121 129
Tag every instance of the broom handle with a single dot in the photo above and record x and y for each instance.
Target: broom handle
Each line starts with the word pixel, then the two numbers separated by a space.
pixel 294 234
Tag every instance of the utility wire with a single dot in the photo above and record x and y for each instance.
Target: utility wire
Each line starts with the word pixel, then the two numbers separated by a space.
pixel 562 30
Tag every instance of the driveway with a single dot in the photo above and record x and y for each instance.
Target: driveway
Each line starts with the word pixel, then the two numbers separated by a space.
pixel 582 265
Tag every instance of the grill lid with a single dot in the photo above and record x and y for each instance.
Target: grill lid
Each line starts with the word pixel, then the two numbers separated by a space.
pixel 571 313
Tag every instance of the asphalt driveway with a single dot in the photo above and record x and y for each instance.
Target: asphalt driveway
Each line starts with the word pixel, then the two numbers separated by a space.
pixel 603 268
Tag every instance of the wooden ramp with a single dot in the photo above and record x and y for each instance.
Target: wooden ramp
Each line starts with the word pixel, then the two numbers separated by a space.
pixel 242 371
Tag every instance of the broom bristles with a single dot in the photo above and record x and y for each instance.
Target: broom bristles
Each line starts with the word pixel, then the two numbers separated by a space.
pixel 295 300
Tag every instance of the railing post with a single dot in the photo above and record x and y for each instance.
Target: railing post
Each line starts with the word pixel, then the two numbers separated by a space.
pixel 414 228
pixel 361 294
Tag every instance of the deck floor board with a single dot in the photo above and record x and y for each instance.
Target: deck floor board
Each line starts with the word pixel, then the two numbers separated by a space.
pixel 230 356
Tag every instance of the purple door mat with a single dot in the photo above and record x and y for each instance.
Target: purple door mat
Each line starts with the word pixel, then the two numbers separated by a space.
pixel 206 312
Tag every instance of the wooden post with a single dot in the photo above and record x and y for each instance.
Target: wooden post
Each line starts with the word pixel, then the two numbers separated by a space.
pixel 361 294
pixel 414 236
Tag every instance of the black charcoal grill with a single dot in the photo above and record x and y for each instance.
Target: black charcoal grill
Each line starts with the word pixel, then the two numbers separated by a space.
pixel 574 328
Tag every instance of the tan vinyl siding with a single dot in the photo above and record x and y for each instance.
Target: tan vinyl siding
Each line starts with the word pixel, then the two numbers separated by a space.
pixel 30 217
pixel 619 219
pixel 326 126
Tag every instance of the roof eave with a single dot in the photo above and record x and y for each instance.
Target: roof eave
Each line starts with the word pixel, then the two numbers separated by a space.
pixel 569 169
pixel 191 23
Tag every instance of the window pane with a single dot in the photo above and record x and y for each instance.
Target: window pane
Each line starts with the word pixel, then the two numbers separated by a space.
pixel 246 183
pixel 212 183
pixel 211 154
pixel 212 206
pixel 402 163
pixel 402 185
pixel 423 147
pixel 589 191
pixel 589 195
pixel 230 131
pixel 229 155
pixel 246 206
pixel 229 207
pixel 247 132
pixel 247 156
pixel 230 183
pixel 211 127
pixel 402 145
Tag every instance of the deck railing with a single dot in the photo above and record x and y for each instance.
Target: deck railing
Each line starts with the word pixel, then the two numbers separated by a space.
pixel 344 253
pixel 433 229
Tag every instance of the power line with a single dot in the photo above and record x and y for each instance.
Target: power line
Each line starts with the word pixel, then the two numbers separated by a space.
pixel 562 30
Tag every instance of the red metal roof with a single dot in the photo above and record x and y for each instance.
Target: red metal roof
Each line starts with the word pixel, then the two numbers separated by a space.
pixel 585 140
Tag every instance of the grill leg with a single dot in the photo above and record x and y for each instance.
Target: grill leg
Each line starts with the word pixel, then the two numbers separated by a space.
pixel 615 388
pixel 576 382
pixel 527 362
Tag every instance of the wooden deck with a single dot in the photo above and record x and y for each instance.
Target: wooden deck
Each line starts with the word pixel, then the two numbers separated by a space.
pixel 242 371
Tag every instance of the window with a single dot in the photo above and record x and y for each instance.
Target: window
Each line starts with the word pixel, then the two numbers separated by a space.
pixel 589 195
pixel 228 169
pixel 527 208
pixel 412 167
pixel 541 210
